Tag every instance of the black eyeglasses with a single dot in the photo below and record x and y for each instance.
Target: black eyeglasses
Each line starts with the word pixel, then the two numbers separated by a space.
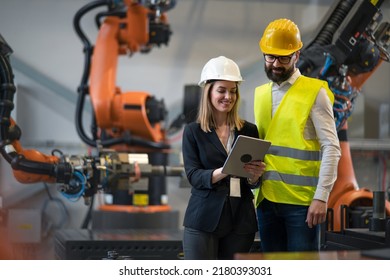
pixel 282 59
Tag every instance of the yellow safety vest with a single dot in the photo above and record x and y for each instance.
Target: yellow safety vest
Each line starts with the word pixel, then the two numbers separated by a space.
pixel 293 162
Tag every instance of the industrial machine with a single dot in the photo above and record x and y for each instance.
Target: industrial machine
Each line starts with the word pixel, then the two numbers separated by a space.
pixel 350 44
pixel 127 134
pixel 125 121
pixel 122 123
pixel 130 147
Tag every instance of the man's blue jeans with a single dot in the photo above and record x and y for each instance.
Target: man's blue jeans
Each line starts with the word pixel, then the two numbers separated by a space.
pixel 282 227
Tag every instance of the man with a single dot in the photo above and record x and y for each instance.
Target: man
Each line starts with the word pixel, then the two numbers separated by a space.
pixel 295 113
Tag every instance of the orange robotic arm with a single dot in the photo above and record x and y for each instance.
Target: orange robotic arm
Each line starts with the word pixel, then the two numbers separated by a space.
pixel 119 116
pixel 346 191
pixel 131 118
pixel 30 166
pixel 115 111
pixel 35 156
pixel 347 50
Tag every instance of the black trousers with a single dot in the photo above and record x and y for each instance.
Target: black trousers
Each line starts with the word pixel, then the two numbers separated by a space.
pixel 221 244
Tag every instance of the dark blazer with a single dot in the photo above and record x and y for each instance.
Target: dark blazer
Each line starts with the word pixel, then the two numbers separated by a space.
pixel 202 154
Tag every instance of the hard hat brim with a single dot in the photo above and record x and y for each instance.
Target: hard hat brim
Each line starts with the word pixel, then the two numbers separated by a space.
pixel 277 51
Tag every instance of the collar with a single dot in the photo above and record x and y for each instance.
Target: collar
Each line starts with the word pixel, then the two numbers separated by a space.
pixel 290 80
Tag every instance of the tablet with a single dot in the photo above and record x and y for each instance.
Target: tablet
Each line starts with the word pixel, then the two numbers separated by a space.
pixel 244 150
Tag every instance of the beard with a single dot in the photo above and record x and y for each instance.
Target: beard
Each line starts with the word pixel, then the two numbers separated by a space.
pixel 280 77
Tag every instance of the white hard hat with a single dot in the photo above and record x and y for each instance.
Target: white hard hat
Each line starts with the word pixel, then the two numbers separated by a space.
pixel 220 68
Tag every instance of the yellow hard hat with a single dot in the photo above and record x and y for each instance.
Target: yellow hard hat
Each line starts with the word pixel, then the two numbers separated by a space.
pixel 281 37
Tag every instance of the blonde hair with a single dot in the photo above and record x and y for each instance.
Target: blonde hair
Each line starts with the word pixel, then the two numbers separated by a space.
pixel 206 113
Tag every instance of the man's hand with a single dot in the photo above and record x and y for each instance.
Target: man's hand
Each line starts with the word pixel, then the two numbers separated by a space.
pixel 317 213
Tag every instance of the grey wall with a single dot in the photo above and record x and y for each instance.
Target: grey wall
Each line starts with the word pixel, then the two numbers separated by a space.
pixel 48 63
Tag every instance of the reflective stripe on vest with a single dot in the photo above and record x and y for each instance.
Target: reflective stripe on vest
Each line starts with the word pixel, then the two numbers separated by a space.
pixel 294 153
pixel 291 179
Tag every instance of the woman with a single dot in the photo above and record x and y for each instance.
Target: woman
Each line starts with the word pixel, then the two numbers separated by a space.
pixel 220 218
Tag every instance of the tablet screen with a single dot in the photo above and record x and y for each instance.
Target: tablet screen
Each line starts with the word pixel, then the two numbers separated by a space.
pixel 244 150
